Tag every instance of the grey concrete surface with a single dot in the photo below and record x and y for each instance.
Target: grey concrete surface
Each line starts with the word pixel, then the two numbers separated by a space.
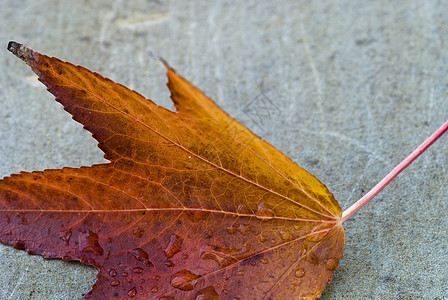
pixel 358 85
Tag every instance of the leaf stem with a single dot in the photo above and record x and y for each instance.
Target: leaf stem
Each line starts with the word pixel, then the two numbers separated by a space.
pixel 394 173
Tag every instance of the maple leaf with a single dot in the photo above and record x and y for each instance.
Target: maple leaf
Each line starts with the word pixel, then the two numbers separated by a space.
pixel 187 208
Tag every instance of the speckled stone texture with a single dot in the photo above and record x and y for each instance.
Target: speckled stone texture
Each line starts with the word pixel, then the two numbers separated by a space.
pixel 352 87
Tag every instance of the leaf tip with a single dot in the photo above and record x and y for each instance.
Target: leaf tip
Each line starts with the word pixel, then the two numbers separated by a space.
pixel 156 56
pixel 21 51
pixel 13 46
pixel 164 62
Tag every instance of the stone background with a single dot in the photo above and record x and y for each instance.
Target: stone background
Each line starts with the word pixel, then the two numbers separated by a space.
pixel 356 86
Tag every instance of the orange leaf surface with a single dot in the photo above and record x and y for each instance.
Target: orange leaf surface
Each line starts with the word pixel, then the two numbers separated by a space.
pixel 191 206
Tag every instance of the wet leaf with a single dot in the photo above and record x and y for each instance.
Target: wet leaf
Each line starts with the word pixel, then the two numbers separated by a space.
pixel 191 206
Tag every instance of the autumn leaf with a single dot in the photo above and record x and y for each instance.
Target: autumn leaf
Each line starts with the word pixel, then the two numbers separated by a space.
pixel 191 206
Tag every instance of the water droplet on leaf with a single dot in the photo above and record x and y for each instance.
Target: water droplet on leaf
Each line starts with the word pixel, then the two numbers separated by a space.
pixel 209 234
pixel 243 209
pixel 317 234
pixel 207 293
pixel 231 229
pixel 114 282
pixel 184 280
pixel 222 256
pixel 174 245
pixel 138 270
pixel 293 287
pixel 286 236
pixel 264 213
pixel 169 263
pixel 132 292
pixel 299 273
pixel 331 264
pixel 89 242
pixel 138 232
pixel 142 256
pixel 243 228
pixel 65 235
